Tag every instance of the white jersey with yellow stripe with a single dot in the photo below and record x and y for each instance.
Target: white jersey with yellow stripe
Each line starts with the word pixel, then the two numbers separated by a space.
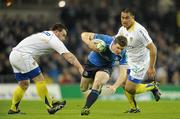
pixel 137 54
pixel 138 39
pixel 41 43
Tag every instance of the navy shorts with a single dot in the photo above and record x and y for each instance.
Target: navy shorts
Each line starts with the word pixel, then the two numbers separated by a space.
pixel 91 69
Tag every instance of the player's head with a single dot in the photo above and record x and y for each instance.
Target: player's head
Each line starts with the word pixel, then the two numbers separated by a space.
pixel 119 43
pixel 60 31
pixel 127 17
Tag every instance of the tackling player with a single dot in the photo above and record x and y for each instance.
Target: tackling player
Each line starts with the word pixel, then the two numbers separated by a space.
pixel 23 61
pixel 99 65
pixel 141 53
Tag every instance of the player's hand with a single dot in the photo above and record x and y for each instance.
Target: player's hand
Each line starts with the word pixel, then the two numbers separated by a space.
pixel 107 90
pixel 111 88
pixel 93 46
pixel 151 72
pixel 81 70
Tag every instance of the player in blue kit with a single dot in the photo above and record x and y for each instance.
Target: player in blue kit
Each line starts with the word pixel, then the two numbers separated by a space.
pixel 99 64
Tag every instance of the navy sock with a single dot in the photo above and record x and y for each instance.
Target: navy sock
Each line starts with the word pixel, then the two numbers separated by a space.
pixel 92 97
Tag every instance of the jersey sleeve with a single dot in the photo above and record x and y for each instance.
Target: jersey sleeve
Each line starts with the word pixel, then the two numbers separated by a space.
pixel 58 45
pixel 123 60
pixel 144 37
pixel 120 32
pixel 106 38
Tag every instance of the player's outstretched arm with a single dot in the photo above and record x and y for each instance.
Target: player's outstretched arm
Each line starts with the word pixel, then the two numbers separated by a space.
pixel 120 82
pixel 87 38
pixel 73 60
pixel 153 52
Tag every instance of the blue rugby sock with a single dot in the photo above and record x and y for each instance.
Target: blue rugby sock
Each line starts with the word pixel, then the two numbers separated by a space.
pixel 92 97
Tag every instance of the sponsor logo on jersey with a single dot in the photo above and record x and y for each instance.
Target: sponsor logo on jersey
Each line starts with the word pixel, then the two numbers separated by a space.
pixel 130 47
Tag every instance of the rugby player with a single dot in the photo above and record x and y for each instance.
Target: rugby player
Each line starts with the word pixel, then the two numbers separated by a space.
pixel 99 64
pixel 23 59
pixel 141 58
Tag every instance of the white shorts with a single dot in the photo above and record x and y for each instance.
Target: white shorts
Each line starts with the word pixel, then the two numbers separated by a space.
pixel 138 72
pixel 22 63
pixel 24 66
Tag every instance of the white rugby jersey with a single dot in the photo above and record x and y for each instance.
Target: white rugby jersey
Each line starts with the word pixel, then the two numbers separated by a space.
pixel 138 38
pixel 40 44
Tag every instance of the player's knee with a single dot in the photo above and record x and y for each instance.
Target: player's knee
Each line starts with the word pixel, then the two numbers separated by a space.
pixel 83 88
pixel 97 84
pixel 24 84
pixel 130 89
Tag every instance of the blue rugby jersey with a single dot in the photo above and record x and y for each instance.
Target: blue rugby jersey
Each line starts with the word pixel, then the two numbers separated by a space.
pixel 106 58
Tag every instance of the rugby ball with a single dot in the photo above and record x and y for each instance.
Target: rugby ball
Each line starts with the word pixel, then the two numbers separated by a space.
pixel 100 45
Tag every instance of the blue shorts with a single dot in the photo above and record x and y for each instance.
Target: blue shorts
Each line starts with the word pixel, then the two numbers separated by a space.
pixel 29 75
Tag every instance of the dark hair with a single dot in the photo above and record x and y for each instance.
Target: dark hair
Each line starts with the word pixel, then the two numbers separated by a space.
pixel 121 40
pixel 129 10
pixel 59 27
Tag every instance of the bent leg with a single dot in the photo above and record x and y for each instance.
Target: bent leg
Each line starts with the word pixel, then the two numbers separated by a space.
pixel 101 78
pixel 18 94
pixel 85 83
pixel 130 89
pixel 141 88
pixel 42 90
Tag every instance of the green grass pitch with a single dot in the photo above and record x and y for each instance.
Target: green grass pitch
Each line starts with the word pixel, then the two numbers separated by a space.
pixel 101 110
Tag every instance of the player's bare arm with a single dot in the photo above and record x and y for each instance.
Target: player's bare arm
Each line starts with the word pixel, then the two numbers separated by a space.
pixel 120 82
pixel 87 38
pixel 153 52
pixel 73 60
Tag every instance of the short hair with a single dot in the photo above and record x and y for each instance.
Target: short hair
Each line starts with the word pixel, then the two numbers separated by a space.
pixel 59 27
pixel 129 10
pixel 121 40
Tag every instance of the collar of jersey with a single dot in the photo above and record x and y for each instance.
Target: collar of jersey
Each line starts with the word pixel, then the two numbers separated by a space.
pixel 132 27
